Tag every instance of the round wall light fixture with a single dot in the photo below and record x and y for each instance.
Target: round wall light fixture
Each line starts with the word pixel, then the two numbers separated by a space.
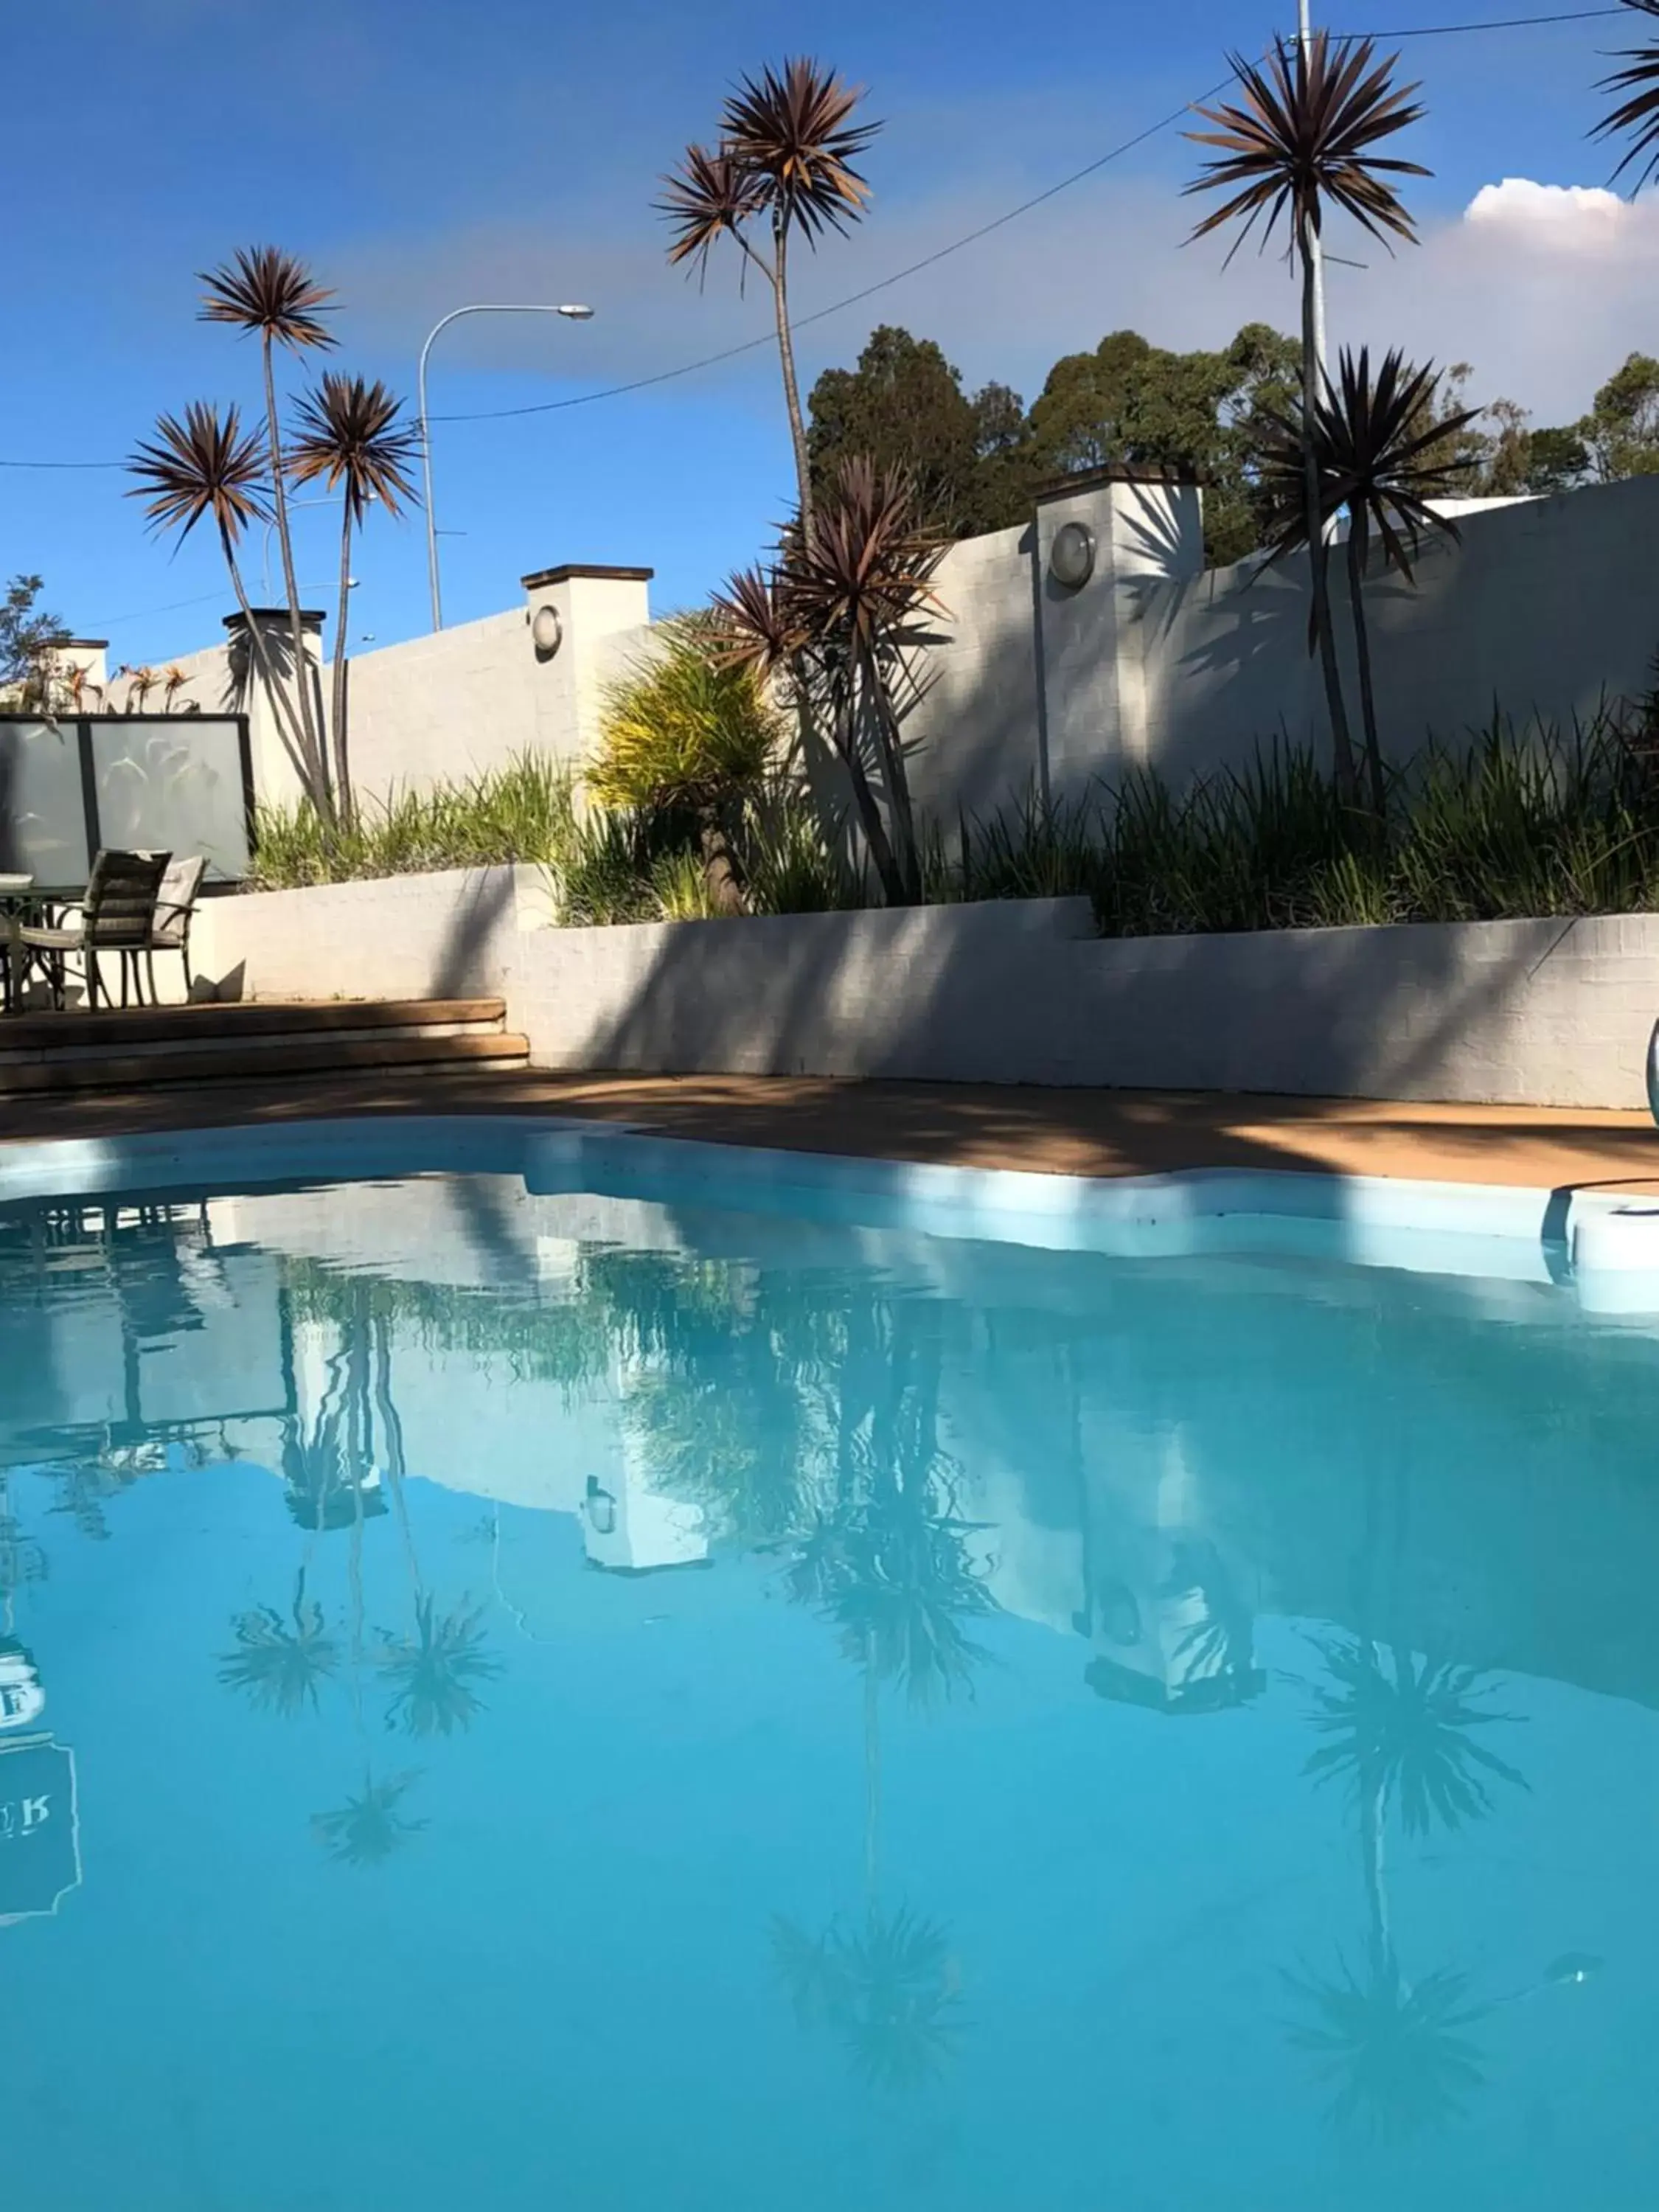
pixel 1071 555
pixel 545 631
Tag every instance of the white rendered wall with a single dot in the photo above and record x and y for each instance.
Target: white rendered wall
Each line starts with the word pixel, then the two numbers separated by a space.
pixel 1526 1012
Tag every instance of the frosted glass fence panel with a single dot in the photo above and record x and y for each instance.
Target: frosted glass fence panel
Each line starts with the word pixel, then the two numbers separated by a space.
pixel 43 815
pixel 175 784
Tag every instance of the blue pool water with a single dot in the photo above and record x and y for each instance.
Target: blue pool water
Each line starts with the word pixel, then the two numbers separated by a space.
pixel 526 1700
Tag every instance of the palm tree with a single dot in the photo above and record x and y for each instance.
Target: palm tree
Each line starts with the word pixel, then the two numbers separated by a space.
pixel 1304 138
pixel 281 1663
pixel 1399 1730
pixel 435 1672
pixel 1382 451
pixel 349 435
pixel 1637 114
pixel 841 605
pixel 367 1830
pixel 1397 2049
pixel 205 467
pixel 786 158
pixel 888 1988
pixel 264 289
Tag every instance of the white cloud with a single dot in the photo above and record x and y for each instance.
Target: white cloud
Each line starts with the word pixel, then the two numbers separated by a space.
pixel 1569 218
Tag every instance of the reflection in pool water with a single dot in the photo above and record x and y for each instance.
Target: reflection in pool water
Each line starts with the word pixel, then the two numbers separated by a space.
pixel 1164 1731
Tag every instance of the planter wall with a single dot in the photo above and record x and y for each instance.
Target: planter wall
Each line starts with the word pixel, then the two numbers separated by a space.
pixel 1522 1013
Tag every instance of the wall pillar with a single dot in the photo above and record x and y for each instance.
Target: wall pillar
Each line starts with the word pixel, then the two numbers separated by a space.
pixel 1141 526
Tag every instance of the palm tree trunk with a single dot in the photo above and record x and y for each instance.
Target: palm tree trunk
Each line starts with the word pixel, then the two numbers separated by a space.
pixel 296 628
pixel 337 714
pixel 869 814
pixel 909 852
pixel 786 356
pixel 720 865
pixel 281 705
pixel 1362 646
pixel 872 1781
pixel 1318 558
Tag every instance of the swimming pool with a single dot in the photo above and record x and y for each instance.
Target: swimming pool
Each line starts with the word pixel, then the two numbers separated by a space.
pixel 554 1683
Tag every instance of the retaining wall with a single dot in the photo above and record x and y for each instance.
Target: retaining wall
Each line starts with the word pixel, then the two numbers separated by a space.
pixel 1525 1013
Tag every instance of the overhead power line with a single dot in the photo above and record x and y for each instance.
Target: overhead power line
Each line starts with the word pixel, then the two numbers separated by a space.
pixel 955 245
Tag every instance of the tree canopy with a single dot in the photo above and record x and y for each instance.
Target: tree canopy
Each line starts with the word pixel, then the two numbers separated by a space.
pixel 26 631
pixel 979 457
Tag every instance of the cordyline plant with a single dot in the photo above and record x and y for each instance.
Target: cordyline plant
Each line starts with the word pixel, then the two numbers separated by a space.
pixel 264 289
pixel 848 596
pixel 1382 451
pixel 348 438
pixel 1300 140
pixel 784 164
pixel 207 468
pixel 1636 117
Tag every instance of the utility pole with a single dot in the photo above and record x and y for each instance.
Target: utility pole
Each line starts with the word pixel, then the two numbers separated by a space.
pixel 1316 248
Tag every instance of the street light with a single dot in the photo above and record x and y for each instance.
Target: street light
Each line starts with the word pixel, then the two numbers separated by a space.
pixel 572 315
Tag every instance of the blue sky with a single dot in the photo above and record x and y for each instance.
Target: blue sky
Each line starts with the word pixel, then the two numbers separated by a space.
pixel 430 153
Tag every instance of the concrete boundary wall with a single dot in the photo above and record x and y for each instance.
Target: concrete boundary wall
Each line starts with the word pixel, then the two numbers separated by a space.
pixel 1521 1013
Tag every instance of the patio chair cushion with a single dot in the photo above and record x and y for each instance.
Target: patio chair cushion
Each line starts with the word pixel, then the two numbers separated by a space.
pixel 40 939
pixel 174 902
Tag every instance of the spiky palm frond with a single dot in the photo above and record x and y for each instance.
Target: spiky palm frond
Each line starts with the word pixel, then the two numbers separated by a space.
pixel 204 466
pixel 1637 115
pixel 1403 1730
pixel 367 1830
pixel 709 197
pixel 889 1989
pixel 435 1672
pixel 1302 137
pixel 349 435
pixel 788 131
pixel 281 1664
pixel 763 625
pixel 1382 451
pixel 860 576
pixel 1396 2050
pixel 264 289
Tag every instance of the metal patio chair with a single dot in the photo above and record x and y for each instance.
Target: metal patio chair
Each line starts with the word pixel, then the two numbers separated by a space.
pixel 175 904
pixel 116 915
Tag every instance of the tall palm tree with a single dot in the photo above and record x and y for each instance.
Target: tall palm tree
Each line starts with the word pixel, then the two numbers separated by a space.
pixel 207 468
pixel 367 1829
pixel 348 435
pixel 847 598
pixel 1382 451
pixel 436 1672
pixel 1636 114
pixel 785 159
pixel 1302 138
pixel 264 289
pixel 1397 2050
pixel 281 1663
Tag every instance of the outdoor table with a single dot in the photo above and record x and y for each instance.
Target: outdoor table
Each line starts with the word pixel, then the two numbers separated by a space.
pixel 20 897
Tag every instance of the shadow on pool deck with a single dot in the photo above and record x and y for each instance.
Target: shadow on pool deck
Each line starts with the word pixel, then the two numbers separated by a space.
pixel 1103 1133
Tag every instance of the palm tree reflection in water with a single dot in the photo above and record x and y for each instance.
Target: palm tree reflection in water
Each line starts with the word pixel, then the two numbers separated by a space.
pixel 886 1560
pixel 1399 1730
pixel 282 1662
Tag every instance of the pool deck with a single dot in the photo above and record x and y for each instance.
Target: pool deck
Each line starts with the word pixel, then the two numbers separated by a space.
pixel 1093 1132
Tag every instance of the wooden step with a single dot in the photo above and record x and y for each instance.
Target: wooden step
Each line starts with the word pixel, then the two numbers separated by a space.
pixel 116 1026
pixel 478 1051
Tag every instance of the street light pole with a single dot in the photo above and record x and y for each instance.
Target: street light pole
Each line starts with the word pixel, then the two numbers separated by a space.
pixel 1316 246
pixel 573 314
